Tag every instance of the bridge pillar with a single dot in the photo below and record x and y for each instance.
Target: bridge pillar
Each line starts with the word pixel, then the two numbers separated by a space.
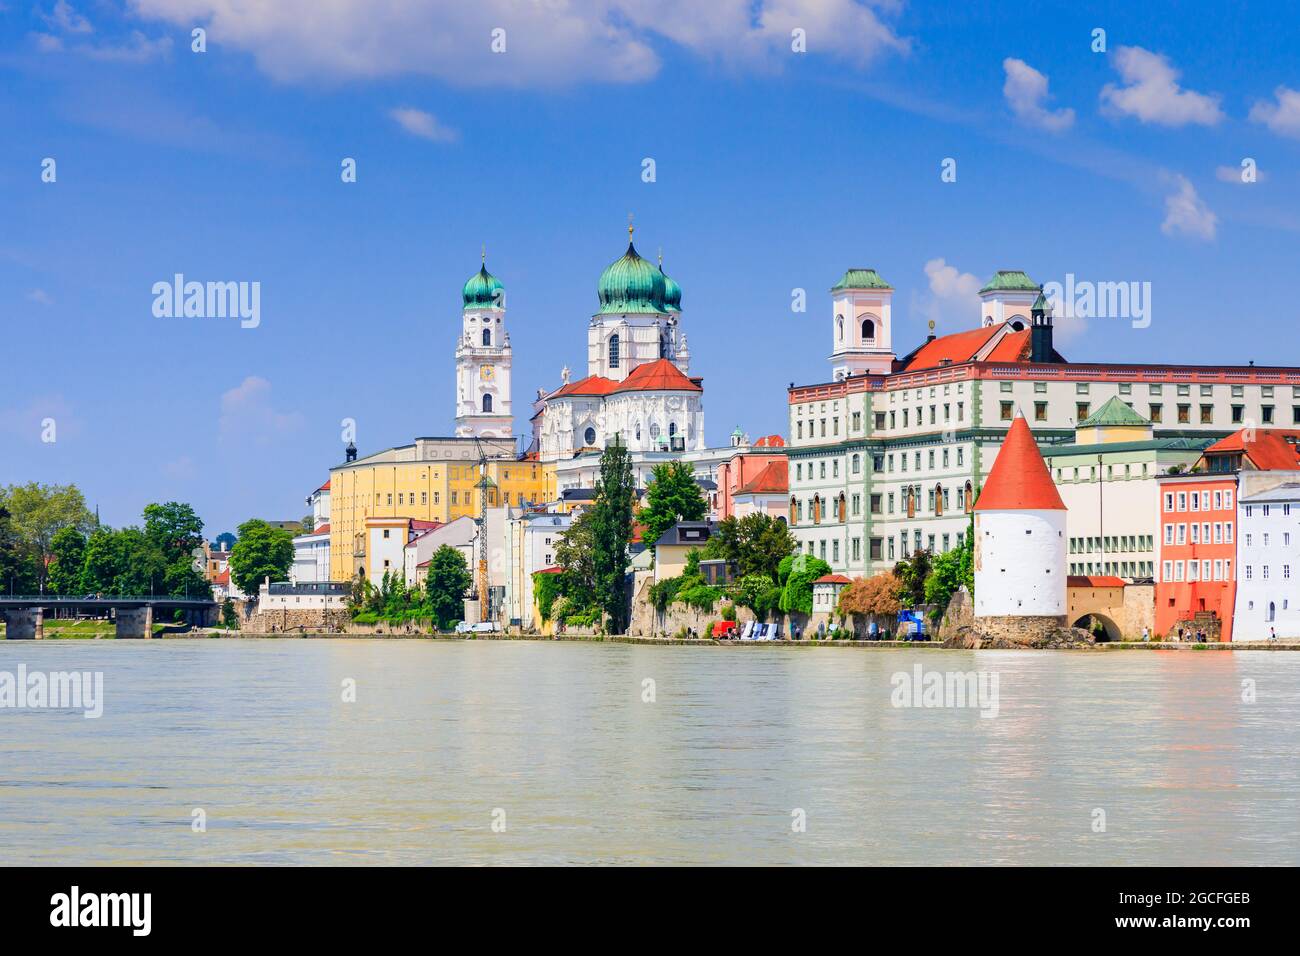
pixel 134 622
pixel 25 623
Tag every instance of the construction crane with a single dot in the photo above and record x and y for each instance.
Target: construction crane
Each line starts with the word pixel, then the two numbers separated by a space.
pixel 483 484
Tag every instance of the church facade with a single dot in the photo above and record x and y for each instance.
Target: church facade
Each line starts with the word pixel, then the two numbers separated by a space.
pixel 483 359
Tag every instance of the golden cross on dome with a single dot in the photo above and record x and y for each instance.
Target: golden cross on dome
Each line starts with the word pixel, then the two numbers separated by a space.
pixel 629 227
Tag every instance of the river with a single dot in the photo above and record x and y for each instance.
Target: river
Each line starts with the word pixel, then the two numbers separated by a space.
pixel 535 752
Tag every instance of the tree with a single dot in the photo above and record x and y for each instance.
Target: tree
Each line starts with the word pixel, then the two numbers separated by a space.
pixel 877 594
pixel 100 566
pixel 758 592
pixel 575 554
pixel 37 512
pixel 69 550
pixel 16 575
pixel 546 588
pixel 804 569
pixel 949 572
pixel 671 496
pixel 261 552
pixel 176 532
pixel 611 531
pixel 448 581
pixel 755 544
pixel 911 574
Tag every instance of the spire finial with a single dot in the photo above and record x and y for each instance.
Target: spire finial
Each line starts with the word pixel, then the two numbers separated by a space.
pixel 483 253
pixel 629 227
pixel 661 257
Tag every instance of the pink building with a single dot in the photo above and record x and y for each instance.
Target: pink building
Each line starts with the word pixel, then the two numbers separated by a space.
pixel 744 470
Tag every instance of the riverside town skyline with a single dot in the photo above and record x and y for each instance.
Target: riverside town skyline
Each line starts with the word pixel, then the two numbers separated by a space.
pixel 858 433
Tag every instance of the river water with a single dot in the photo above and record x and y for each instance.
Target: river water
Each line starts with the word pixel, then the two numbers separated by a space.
pixel 745 755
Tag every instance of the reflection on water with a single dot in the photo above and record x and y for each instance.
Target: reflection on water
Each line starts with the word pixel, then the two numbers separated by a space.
pixel 557 736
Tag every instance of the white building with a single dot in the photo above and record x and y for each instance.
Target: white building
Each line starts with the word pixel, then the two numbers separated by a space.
pixel 386 541
pixel 311 556
pixel 483 359
pixel 532 539
pixel 1020 546
pixel 459 534
pixel 1268 561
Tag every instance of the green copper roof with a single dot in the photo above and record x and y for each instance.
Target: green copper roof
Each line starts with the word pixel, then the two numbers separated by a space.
pixel 1010 280
pixel 672 292
pixel 1114 412
pixel 1040 304
pixel 481 290
pixel 631 284
pixel 861 279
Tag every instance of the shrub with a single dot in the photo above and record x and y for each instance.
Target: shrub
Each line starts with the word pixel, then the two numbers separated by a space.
pixel 729 612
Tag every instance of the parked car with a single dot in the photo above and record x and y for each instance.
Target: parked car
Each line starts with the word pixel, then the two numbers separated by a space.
pixel 463 627
pixel 486 627
pixel 724 630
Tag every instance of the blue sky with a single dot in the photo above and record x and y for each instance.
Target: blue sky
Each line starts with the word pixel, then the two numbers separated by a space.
pixel 775 171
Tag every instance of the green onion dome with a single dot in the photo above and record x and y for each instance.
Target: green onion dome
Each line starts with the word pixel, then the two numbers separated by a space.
pixel 631 284
pixel 672 291
pixel 481 290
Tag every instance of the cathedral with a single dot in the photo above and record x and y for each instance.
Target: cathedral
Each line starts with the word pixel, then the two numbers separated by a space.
pixel 637 388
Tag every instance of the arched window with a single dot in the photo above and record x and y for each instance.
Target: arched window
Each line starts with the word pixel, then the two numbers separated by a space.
pixel 487 337
pixel 938 499
pixel 844 511
pixel 911 502
pixel 794 509
pixel 839 328
pixel 857 464
pixel 868 330
pixel 817 509
pixel 672 429
pixel 638 431
pixel 969 500
pixel 487 403
pixel 589 436
pixel 613 351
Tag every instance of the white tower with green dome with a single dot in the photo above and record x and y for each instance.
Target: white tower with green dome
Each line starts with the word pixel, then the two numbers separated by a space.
pixel 483 360
pixel 862 327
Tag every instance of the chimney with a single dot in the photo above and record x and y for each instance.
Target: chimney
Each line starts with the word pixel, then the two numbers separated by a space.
pixel 1040 334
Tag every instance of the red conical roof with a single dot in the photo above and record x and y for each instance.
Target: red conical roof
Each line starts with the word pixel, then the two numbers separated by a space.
pixel 1019 480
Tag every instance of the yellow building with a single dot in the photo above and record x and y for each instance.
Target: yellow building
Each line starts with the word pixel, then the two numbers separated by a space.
pixel 433 479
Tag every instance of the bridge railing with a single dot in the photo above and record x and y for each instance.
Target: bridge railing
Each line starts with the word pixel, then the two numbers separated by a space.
pixel 103 598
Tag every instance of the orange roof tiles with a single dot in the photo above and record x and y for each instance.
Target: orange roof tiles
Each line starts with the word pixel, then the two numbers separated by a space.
pixel 773 479
pixel 1093 581
pixel 1268 448
pixel 770 441
pixel 832 579
pixel 958 347
pixel 591 385
pixel 1019 480
pixel 1014 347
pixel 660 375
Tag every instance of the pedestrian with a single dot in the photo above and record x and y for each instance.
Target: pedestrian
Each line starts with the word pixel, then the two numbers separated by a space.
pixel 1272 634
pixel 1146 635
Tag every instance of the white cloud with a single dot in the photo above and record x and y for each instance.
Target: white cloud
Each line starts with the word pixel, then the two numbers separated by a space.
pixel 1232 174
pixel 1152 93
pixel 1282 117
pixel 40 297
pixel 1026 91
pixel 65 19
pixel 1186 213
pixel 138 48
pixel 555 43
pixel 953 302
pixel 422 124
pixel 247 414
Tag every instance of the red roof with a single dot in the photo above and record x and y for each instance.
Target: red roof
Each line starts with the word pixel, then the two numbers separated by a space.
pixel 324 487
pixel 958 347
pixel 660 375
pixel 1093 581
pixel 553 570
pixel 772 480
pixel 591 385
pixel 832 579
pixel 1019 480
pixel 1014 347
pixel 222 578
pixel 770 441
pixel 323 529
pixel 1267 448
pixel 418 524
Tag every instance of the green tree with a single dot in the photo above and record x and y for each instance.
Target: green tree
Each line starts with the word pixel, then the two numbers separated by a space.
pixel 260 552
pixel 948 573
pixel 803 571
pixel 671 496
pixel 17 576
pixel 755 544
pixel 100 562
pixel 575 554
pixel 37 512
pixel 611 530
pixel 911 573
pixel 546 588
pixel 758 592
pixel 66 570
pixel 448 581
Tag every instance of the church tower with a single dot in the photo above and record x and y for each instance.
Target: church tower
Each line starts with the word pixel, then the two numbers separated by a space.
pixel 862 325
pixel 483 360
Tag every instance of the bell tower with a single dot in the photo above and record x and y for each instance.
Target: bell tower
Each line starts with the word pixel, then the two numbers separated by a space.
pixel 862 325
pixel 483 358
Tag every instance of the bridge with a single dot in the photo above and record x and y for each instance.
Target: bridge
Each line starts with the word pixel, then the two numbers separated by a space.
pixel 24 614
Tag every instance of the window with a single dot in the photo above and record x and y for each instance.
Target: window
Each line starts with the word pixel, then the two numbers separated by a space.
pixel 868 330
pixel 1266 411
pixel 613 351
pixel 1006 411
pixel 1081 388
pixel 487 338
pixel 1155 412
pixel 1184 412
pixel 1081 410
pixel 1237 413
pixel 1004 386
pixel 1040 411
pixel 1207 414
pixel 857 464
pixel 589 436
pixel 487 403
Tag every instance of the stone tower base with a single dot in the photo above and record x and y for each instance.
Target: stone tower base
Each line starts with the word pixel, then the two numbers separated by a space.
pixel 1018 632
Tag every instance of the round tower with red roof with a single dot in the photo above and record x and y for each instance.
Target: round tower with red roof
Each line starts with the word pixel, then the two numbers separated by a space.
pixel 1020 540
